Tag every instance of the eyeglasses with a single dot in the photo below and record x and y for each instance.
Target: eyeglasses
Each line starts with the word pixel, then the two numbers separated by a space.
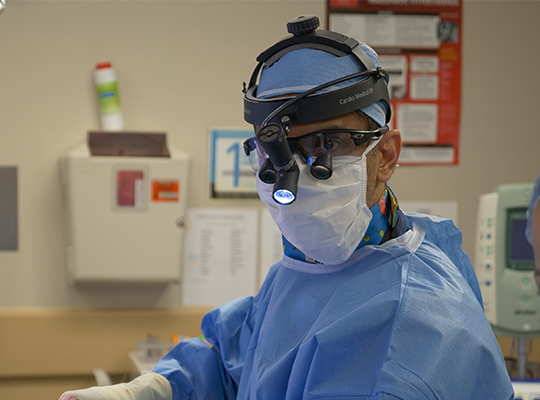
pixel 336 142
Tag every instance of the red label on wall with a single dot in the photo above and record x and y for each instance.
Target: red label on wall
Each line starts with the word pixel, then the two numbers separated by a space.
pixel 129 188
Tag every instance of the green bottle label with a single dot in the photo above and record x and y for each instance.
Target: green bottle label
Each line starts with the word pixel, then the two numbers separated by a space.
pixel 108 99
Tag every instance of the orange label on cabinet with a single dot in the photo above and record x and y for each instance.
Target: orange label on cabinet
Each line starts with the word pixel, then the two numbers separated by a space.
pixel 165 190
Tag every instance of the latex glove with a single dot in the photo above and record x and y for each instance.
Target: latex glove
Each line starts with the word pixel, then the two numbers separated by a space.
pixel 149 386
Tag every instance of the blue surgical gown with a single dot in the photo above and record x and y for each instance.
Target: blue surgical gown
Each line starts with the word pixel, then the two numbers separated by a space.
pixel 398 321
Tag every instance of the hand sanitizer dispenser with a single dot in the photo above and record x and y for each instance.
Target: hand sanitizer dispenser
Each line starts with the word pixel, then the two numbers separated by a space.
pixel 125 198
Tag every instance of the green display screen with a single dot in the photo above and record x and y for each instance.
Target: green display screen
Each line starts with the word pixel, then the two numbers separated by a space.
pixel 519 252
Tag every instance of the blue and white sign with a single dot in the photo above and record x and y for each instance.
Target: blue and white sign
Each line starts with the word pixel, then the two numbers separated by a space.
pixel 231 175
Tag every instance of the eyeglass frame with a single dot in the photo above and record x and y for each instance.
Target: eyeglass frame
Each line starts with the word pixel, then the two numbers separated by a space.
pixel 358 136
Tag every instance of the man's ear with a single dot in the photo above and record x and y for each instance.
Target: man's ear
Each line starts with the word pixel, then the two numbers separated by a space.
pixel 389 149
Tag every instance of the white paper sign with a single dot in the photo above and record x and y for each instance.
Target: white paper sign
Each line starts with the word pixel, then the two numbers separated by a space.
pixel 418 122
pixel 220 261
pixel 387 30
pixel 271 244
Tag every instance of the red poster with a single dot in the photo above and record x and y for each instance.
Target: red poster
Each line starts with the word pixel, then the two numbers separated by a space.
pixel 419 45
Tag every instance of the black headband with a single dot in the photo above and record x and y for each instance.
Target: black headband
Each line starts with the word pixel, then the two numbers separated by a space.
pixel 318 106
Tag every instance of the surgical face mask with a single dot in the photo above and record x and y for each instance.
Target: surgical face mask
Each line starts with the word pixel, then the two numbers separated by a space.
pixel 330 217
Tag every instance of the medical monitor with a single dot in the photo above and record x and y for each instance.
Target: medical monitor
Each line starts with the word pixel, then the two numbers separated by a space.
pixel 504 262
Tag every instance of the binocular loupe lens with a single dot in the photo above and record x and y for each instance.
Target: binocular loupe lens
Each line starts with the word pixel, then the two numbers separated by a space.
pixel 322 167
pixel 267 172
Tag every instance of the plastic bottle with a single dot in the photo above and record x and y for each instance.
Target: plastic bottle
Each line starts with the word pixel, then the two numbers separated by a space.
pixel 108 99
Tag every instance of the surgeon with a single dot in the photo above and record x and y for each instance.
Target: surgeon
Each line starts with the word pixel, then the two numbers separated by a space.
pixel 533 228
pixel 368 302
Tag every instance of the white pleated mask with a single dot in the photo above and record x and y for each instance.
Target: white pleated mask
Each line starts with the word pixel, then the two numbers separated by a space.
pixel 330 217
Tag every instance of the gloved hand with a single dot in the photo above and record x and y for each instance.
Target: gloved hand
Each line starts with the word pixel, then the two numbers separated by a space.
pixel 149 386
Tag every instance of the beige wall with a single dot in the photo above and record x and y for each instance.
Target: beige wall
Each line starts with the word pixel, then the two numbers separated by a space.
pixel 499 140
pixel 180 66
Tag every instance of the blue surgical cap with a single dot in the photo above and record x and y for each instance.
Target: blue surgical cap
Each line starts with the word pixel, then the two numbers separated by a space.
pixel 304 69
pixel 532 204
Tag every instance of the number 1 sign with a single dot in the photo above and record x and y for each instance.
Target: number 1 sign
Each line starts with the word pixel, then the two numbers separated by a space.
pixel 231 175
